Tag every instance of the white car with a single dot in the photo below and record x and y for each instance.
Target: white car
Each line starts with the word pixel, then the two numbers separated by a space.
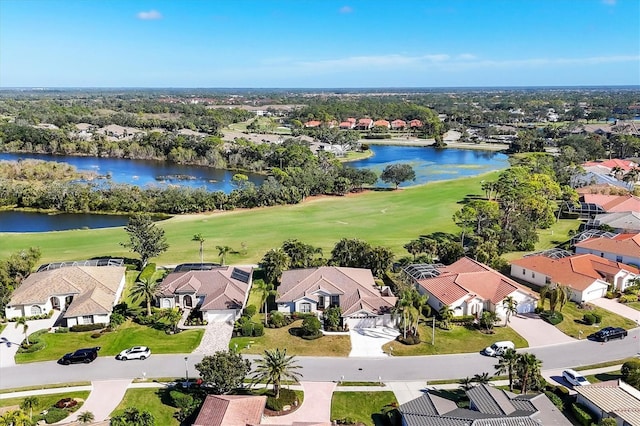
pixel 575 378
pixel 136 352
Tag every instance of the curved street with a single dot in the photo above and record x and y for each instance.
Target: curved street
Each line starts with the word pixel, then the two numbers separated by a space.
pixel 425 368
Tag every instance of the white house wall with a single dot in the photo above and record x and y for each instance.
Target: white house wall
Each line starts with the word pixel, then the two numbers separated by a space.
pixel 624 258
pixel 532 277
pixel 594 291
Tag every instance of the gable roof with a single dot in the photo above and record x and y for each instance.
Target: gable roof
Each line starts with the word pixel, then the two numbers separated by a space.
pixel 625 165
pixel 467 277
pixel 614 203
pixel 623 244
pixel 356 287
pixel 94 288
pixel 614 396
pixel 224 287
pixel 578 271
pixel 231 410
pixel 618 220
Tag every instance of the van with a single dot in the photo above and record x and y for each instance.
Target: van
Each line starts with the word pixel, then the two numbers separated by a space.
pixel 499 348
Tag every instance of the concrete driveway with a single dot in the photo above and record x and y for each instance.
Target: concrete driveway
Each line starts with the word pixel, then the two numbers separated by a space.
pixel 621 309
pixel 315 408
pixel 216 338
pixel 367 342
pixel 12 336
pixel 105 396
pixel 536 331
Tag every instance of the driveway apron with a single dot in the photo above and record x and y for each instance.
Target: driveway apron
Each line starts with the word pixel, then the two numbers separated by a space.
pixel 536 331
pixel 315 408
pixel 103 399
pixel 367 342
pixel 618 308
pixel 12 336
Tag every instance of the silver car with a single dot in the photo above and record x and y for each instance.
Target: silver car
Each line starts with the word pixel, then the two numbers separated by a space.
pixel 136 352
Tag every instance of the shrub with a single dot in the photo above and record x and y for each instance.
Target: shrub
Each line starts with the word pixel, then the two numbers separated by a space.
pixel 116 319
pixel 66 403
pixel 250 311
pixel 610 295
pixel 589 319
pixel 180 400
pixel 346 421
pixel 463 319
pixel 87 327
pixel 287 397
pixel 632 289
pixel 628 368
pixel 311 326
pixel 563 393
pixel 258 329
pixel 277 319
pixel 628 298
pixel 553 318
pixel 557 401
pixel 62 330
pixel 54 415
pixel 95 335
pixel 598 317
pixel 247 329
pixel 581 414
pixel 411 339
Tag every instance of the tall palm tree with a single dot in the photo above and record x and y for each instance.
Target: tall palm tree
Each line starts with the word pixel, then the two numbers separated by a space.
pixel 465 383
pixel 617 172
pixel 265 290
pixel 223 251
pixel 274 262
pixel 482 379
pixel 558 295
pixel 274 367
pixel 507 364
pixel 446 315
pixel 145 289
pixel 199 238
pixel 528 367
pixel 86 417
pixel 22 321
pixel 28 403
pixel 404 305
pixel 173 316
pixel 510 306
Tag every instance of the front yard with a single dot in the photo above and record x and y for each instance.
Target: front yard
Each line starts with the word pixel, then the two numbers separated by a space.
pixel 111 343
pixel 459 339
pixel 572 324
pixel 364 407
pixel 149 399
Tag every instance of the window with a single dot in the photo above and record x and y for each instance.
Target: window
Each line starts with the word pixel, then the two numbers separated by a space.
pixel 533 275
pixel 523 271
pixel 36 310
pixel 618 258
pixel 305 307
pixel 335 300
pixel 87 319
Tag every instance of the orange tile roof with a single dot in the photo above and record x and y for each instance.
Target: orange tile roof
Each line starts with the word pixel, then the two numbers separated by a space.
pixel 623 244
pixel 625 165
pixel 313 123
pixel 381 123
pixel 614 203
pixel 231 410
pixel 578 271
pixel 415 123
pixel 466 277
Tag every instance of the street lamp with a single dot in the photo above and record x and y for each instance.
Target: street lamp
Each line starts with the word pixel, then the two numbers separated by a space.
pixel 186 370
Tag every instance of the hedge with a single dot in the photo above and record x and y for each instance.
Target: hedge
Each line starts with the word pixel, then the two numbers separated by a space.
pixel 582 415
pixel 589 319
pixel 54 415
pixel 557 401
pixel 34 317
pixel 88 327
pixel 462 319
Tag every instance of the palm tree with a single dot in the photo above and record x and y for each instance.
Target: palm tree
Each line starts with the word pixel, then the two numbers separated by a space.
pixel 617 172
pixel 404 305
pixel 8 418
pixel 265 290
pixel 507 364
pixel 274 262
pixel 528 367
pixel 558 295
pixel 223 251
pixel 21 419
pixel 28 403
pixel 482 379
pixel 173 316
pixel 465 383
pixel 22 321
pixel 274 367
pixel 86 417
pixel 446 315
pixel 510 306
pixel 146 290
pixel 199 238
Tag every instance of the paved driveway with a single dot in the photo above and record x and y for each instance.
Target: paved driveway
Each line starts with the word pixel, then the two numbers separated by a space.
pixel 216 338
pixel 367 342
pixel 536 331
pixel 15 335
pixel 315 408
pixel 103 399
pixel 617 308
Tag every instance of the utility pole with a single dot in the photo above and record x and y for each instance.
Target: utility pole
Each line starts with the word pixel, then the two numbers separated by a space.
pixel 433 330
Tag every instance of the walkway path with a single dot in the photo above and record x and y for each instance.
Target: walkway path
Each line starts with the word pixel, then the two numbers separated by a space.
pixel 315 408
pixel 621 309
pixel 12 336
pixel 536 331
pixel 103 399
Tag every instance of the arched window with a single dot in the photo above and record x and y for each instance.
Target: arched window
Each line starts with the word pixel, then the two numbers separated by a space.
pixel 36 310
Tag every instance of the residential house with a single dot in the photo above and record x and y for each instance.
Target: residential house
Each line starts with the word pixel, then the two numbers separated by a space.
pixel 624 248
pixel 347 125
pixel 382 123
pixel 313 123
pixel 364 124
pixel 363 303
pixel 588 276
pixel 488 406
pixel 609 165
pixel 621 222
pixel 398 124
pixel 219 292
pixel 231 410
pixel 469 288
pixel 613 203
pixel 415 123
pixel 85 292
pixel 614 398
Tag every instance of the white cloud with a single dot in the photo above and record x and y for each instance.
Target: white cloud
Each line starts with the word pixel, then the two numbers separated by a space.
pixel 346 9
pixel 150 15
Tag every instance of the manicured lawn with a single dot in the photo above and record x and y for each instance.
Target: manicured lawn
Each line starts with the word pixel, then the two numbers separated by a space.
pixel 45 401
pixel 572 323
pixel 457 340
pixel 634 305
pixel 356 155
pixel 127 335
pixel 604 377
pixel 148 399
pixel 280 338
pixel 364 407
pixel 549 238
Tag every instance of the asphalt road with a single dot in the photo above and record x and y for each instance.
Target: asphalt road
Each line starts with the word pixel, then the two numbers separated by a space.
pixel 324 368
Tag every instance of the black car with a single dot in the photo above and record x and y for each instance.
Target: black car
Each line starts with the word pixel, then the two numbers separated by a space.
pixel 609 333
pixel 85 355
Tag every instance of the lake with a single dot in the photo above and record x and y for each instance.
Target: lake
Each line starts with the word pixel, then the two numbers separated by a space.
pixel 19 221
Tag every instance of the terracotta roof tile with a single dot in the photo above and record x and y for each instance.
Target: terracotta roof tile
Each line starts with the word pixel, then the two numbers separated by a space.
pixel 231 410
pixel 623 244
pixel 614 203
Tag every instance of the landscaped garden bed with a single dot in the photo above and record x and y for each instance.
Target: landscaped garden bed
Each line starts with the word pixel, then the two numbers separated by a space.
pixel 52 407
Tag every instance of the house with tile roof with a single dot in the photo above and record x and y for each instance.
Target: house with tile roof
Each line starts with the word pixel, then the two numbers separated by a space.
pixel 621 222
pixel 364 124
pixel 613 203
pixel 84 294
pixel 398 124
pixel 382 123
pixel 415 123
pixel 313 123
pixel 488 406
pixel 470 287
pixel 614 398
pixel 363 303
pixel 231 410
pixel 624 248
pixel 347 125
pixel 220 292
pixel 588 276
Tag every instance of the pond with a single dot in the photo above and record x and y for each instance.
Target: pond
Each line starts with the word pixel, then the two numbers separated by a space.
pixel 19 221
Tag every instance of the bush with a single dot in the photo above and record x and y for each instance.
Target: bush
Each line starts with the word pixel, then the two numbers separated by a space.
pixel 250 311
pixel 557 401
pixel 346 421
pixel 95 335
pixel 463 319
pixel 563 393
pixel 589 319
pixel 553 318
pixel 258 329
pixel 628 368
pixel 180 400
pixel 632 289
pixel 116 319
pixel 87 327
pixel 311 326
pixel 62 330
pixel 598 317
pixel 54 415
pixel 610 295
pixel 411 339
pixel 66 403
pixel 628 298
pixel 247 329
pixel 581 414
pixel 287 397
pixel 278 319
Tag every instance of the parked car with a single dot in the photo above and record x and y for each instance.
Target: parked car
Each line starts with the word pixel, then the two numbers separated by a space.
pixel 136 352
pixel 499 348
pixel 608 333
pixel 85 355
pixel 575 378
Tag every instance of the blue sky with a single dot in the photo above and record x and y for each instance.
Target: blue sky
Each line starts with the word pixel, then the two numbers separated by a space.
pixel 319 43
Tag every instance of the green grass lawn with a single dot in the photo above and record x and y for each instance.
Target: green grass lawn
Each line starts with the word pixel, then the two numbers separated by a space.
pixel 634 305
pixel 572 324
pixel 46 401
pixel 604 377
pixel 457 340
pixel 127 335
pixel 364 407
pixel 148 399
pixel 280 338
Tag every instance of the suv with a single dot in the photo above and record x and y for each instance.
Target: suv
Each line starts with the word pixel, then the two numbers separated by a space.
pixel 575 378
pixel 609 333
pixel 136 352
pixel 85 355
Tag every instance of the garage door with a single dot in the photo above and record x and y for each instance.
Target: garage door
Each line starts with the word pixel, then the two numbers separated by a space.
pixel 594 294
pixel 365 322
pixel 526 306
pixel 220 317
